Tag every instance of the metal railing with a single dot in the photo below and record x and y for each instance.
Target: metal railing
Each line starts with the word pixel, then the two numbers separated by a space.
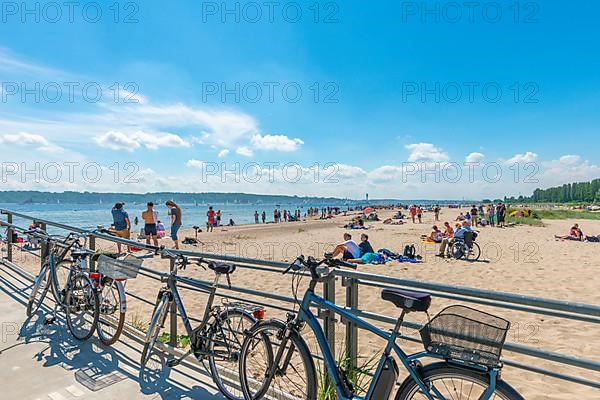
pixel 351 281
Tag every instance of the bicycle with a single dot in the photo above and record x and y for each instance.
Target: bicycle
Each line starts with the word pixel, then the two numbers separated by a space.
pixel 218 338
pixel 468 364
pixel 76 294
pixel 466 248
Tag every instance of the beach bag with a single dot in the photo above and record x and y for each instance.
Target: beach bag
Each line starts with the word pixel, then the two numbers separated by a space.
pixel 593 239
pixel 410 251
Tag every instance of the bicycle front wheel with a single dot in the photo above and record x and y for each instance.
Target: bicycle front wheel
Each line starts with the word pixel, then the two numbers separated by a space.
pixel 224 345
pixel 39 291
pixel 276 366
pixel 448 382
pixel 82 307
pixel 157 321
pixel 112 312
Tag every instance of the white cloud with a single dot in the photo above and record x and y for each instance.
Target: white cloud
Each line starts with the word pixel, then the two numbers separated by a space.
pixel 194 164
pixel 223 153
pixel 244 151
pixel 474 158
pixel 426 152
pixel 121 141
pixel 29 139
pixel 528 157
pixel 275 143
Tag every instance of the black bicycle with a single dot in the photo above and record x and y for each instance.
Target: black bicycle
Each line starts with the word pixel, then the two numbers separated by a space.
pixel 218 339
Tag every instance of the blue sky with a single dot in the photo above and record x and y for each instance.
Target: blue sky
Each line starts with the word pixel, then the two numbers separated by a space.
pixel 370 63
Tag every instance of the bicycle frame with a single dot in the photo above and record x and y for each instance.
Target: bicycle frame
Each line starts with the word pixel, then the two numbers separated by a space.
pixel 306 315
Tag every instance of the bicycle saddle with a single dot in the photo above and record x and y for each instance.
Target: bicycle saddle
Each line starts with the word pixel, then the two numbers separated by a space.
pixel 220 268
pixel 407 300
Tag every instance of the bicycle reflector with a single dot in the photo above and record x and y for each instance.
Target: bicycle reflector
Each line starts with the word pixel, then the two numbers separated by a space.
pixel 95 276
pixel 259 314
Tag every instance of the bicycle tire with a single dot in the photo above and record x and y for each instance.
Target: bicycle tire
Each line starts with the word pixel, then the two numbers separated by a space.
pixel 82 291
pixel 38 292
pixel 108 334
pixel 231 389
pixel 409 390
pixel 270 333
pixel 158 318
pixel 59 292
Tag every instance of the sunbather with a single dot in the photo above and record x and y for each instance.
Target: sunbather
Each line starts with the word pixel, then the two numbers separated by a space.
pixel 436 235
pixel 574 234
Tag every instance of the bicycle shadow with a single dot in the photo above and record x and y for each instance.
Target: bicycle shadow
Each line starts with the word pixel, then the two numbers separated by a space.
pixel 94 365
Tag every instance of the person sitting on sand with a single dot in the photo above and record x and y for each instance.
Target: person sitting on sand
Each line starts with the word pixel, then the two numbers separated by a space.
pixel 364 246
pixel 461 217
pixel 448 231
pixel 574 234
pixel 436 235
pixel 348 249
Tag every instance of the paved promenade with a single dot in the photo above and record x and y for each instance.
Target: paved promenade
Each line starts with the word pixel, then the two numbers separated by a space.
pixel 44 362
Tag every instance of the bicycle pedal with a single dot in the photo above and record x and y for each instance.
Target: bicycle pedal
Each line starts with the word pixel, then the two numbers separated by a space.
pixel 173 363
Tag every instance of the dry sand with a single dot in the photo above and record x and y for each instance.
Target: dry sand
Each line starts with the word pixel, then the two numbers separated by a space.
pixel 524 260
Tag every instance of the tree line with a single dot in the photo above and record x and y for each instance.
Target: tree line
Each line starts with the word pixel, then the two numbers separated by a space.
pixel 578 192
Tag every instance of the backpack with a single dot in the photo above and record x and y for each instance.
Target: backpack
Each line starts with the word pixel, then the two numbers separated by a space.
pixel 410 251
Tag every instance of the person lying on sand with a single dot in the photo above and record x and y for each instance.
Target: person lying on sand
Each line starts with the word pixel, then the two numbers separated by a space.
pixel 574 234
pixel 348 249
pixel 370 258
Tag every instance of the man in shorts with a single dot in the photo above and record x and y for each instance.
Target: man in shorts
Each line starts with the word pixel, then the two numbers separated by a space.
pixel 210 222
pixel 348 249
pixel 150 218
pixel 121 223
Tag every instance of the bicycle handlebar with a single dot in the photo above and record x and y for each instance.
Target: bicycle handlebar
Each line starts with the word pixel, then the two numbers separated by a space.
pixel 312 264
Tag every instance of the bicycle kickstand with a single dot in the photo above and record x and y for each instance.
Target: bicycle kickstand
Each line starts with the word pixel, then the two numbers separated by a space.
pixel 176 361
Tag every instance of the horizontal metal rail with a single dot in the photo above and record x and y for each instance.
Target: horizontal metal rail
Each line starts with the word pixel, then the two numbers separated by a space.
pixel 353 279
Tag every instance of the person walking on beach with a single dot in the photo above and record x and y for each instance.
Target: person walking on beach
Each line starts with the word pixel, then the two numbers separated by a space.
pixel 264 217
pixel 491 212
pixel 501 214
pixel 413 212
pixel 218 222
pixel 420 214
pixel 436 211
pixel 121 223
pixel 256 216
pixel 210 222
pixel 176 218
pixel 150 218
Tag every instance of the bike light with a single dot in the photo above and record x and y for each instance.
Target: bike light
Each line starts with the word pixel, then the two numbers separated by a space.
pixel 95 275
pixel 259 314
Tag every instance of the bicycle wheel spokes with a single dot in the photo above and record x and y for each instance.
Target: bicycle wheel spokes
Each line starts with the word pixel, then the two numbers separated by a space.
pixel 292 378
pixel 82 308
pixel 454 388
pixel 111 321
pixel 225 346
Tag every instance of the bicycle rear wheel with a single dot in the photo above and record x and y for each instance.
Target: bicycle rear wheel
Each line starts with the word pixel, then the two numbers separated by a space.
pixel 38 291
pixel 82 307
pixel 225 344
pixel 157 321
pixel 112 316
pixel 448 382
pixel 294 376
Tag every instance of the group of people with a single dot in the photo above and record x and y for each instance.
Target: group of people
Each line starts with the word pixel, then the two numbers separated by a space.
pixel 490 215
pixel 153 228
pixel 361 253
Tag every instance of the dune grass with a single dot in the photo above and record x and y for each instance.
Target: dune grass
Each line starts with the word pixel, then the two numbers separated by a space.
pixel 567 214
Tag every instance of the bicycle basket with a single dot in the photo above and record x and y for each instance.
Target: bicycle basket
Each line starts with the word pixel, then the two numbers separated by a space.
pixel 465 334
pixel 119 269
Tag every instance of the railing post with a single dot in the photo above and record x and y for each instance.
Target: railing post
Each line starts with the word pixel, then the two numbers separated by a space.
pixel 92 246
pixel 9 240
pixel 329 320
pixel 173 330
pixel 44 247
pixel 351 285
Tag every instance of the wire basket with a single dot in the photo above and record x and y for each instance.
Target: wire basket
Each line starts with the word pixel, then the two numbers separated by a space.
pixel 465 334
pixel 127 268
